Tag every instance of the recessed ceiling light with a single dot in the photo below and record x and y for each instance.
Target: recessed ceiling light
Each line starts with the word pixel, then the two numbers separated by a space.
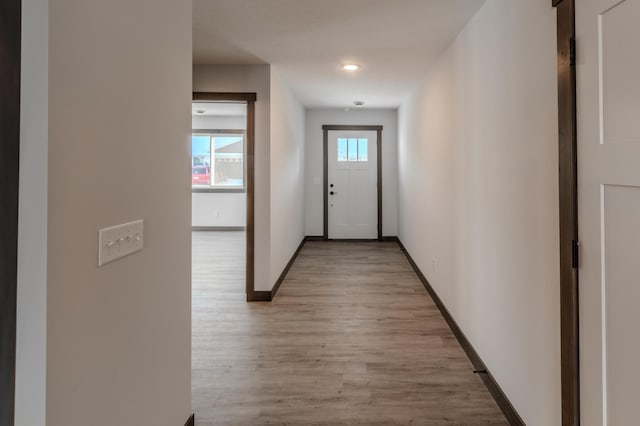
pixel 200 111
pixel 358 103
pixel 350 67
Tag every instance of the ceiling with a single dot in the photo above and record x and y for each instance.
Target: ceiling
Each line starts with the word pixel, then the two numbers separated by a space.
pixel 393 41
pixel 219 108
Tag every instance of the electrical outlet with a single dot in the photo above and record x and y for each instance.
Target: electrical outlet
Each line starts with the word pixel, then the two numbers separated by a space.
pixel 120 241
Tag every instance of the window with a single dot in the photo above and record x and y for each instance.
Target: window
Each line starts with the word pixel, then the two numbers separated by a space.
pixel 363 149
pixel 217 160
pixel 353 149
pixel 342 150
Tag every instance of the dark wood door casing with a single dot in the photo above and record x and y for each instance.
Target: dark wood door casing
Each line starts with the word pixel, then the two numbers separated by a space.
pixel 10 52
pixel 568 186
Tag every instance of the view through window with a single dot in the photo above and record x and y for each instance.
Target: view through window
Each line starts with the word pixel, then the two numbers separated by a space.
pixel 217 160
pixel 353 149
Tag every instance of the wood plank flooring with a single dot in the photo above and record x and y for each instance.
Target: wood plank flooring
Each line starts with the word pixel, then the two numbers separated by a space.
pixel 352 338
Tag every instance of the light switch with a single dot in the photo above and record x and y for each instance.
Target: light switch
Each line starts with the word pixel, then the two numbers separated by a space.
pixel 120 241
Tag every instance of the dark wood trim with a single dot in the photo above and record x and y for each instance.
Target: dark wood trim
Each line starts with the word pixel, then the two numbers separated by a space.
pixel 219 131
pixel 490 382
pixel 314 238
pixel 10 53
pixel 250 186
pixel 568 190
pixel 379 184
pixel 218 228
pixel 191 421
pixel 354 240
pixel 260 296
pixel 249 158
pixel 350 127
pixel 390 239
pixel 326 128
pixel 285 271
pixel 325 180
pixel 223 97
pixel 218 190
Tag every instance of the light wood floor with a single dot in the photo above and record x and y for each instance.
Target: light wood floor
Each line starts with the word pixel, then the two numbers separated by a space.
pixel 352 338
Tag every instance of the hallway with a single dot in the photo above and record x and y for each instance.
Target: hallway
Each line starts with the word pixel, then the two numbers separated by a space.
pixel 351 338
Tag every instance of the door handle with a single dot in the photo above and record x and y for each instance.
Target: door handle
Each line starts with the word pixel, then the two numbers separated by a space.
pixel 332 193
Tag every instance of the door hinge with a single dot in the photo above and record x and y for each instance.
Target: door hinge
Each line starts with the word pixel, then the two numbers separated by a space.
pixel 575 254
pixel 572 51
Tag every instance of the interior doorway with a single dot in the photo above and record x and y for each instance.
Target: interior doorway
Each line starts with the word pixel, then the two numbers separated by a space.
pixel 352 182
pixel 218 201
pixel 222 180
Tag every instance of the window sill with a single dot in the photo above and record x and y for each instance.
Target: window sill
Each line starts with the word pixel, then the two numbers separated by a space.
pixel 218 190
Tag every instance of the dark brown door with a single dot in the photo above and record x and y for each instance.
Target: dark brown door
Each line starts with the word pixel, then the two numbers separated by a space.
pixel 10 17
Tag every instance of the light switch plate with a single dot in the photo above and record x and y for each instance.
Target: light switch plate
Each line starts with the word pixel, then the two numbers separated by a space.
pixel 120 241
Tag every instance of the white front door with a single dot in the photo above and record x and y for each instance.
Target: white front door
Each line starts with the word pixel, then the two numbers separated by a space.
pixel 353 184
pixel 608 73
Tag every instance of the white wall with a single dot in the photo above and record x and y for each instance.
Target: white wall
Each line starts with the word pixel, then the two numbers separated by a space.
pixel 279 164
pixel 478 195
pixel 216 122
pixel 119 336
pixel 32 233
pixel 287 174
pixel 250 78
pixel 218 209
pixel 388 118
